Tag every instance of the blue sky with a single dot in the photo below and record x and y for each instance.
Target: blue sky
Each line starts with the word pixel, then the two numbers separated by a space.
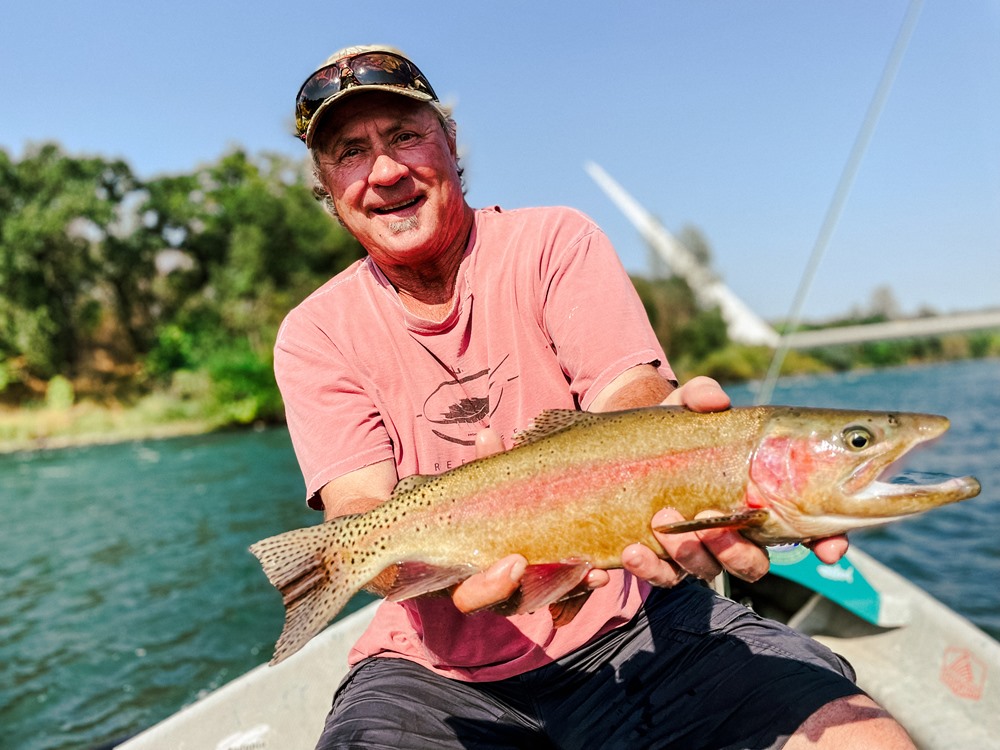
pixel 735 117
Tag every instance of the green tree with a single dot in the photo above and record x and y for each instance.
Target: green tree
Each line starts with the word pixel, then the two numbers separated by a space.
pixel 55 213
pixel 688 333
pixel 704 334
pixel 670 306
pixel 249 240
pixel 253 241
pixel 96 266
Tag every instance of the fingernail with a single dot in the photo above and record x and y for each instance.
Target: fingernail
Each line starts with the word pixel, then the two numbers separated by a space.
pixel 666 516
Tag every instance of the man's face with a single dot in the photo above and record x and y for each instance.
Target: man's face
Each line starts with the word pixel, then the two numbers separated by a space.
pixel 392 172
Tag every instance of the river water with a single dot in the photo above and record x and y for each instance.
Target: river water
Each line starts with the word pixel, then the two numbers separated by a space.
pixel 127 591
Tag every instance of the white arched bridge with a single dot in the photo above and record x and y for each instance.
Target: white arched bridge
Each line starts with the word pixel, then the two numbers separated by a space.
pixel 743 324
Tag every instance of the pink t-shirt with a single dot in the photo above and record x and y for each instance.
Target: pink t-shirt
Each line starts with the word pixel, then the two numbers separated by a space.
pixel 545 317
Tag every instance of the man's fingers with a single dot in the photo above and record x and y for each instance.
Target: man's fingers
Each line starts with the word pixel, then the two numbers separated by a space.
pixel 735 552
pixel 699 394
pixel 829 549
pixel 488 442
pixel 686 550
pixel 595 578
pixel 707 553
pixel 492 586
pixel 642 562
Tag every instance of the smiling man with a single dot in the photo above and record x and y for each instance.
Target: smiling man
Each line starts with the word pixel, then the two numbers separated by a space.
pixel 393 171
pixel 459 327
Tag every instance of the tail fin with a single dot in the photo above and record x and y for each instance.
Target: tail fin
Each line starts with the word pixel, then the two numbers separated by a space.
pixel 306 566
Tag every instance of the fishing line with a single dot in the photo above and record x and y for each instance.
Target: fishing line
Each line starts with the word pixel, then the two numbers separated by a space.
pixel 840 196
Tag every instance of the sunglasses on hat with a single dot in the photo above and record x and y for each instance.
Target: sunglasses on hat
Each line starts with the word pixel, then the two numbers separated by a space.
pixel 378 69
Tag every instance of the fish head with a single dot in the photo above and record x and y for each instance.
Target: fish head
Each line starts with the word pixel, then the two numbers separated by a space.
pixel 819 471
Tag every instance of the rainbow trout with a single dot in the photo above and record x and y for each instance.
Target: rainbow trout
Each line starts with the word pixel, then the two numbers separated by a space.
pixel 578 487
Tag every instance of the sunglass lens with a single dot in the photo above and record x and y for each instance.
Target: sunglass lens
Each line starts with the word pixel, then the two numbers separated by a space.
pixel 324 83
pixel 374 69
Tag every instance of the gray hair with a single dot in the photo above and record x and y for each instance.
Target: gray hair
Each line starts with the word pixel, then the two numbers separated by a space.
pixel 448 124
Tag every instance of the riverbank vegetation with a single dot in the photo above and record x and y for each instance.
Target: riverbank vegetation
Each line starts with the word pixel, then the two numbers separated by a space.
pixel 135 308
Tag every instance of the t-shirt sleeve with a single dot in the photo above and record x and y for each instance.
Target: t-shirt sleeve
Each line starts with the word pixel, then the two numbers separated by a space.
pixel 592 313
pixel 334 425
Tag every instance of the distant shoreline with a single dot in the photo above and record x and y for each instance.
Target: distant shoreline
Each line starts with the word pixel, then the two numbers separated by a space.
pixel 62 441
pixel 33 430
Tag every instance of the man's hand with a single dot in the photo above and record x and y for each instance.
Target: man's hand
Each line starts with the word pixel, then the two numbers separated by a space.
pixel 703 554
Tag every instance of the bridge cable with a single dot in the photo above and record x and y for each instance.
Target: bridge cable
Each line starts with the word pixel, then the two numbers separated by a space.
pixel 844 185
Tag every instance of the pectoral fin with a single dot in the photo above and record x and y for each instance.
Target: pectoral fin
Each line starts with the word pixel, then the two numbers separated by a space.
pixel 544 584
pixel 414 578
pixel 738 520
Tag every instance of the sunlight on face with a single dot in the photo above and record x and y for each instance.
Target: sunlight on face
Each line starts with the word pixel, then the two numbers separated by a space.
pixel 392 172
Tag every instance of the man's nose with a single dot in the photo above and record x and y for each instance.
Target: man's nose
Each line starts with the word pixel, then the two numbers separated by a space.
pixel 386 171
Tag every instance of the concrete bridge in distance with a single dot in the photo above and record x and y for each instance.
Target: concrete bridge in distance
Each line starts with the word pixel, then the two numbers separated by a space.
pixel 894 329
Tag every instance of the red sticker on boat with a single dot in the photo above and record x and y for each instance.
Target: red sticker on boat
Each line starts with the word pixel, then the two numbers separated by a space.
pixel 963 673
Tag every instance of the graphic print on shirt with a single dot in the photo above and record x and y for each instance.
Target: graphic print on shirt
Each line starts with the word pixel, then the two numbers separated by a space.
pixel 461 407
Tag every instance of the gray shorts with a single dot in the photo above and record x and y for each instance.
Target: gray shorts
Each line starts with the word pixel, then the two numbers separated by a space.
pixel 692 670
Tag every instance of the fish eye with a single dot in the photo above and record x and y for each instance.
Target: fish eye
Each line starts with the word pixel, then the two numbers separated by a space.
pixel 857 438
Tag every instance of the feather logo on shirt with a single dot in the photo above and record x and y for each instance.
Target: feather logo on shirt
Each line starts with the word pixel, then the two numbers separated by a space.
pixel 458 403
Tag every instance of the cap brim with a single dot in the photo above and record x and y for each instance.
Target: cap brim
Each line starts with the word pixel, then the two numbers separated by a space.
pixel 326 106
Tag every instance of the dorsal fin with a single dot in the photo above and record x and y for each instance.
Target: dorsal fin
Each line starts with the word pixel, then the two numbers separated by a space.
pixel 550 422
pixel 410 483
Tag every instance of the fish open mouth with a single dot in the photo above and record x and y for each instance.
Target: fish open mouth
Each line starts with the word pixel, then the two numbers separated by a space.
pixel 949 490
pixel 888 492
pixel 879 502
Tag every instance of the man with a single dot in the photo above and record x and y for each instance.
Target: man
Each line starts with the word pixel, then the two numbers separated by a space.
pixel 458 328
